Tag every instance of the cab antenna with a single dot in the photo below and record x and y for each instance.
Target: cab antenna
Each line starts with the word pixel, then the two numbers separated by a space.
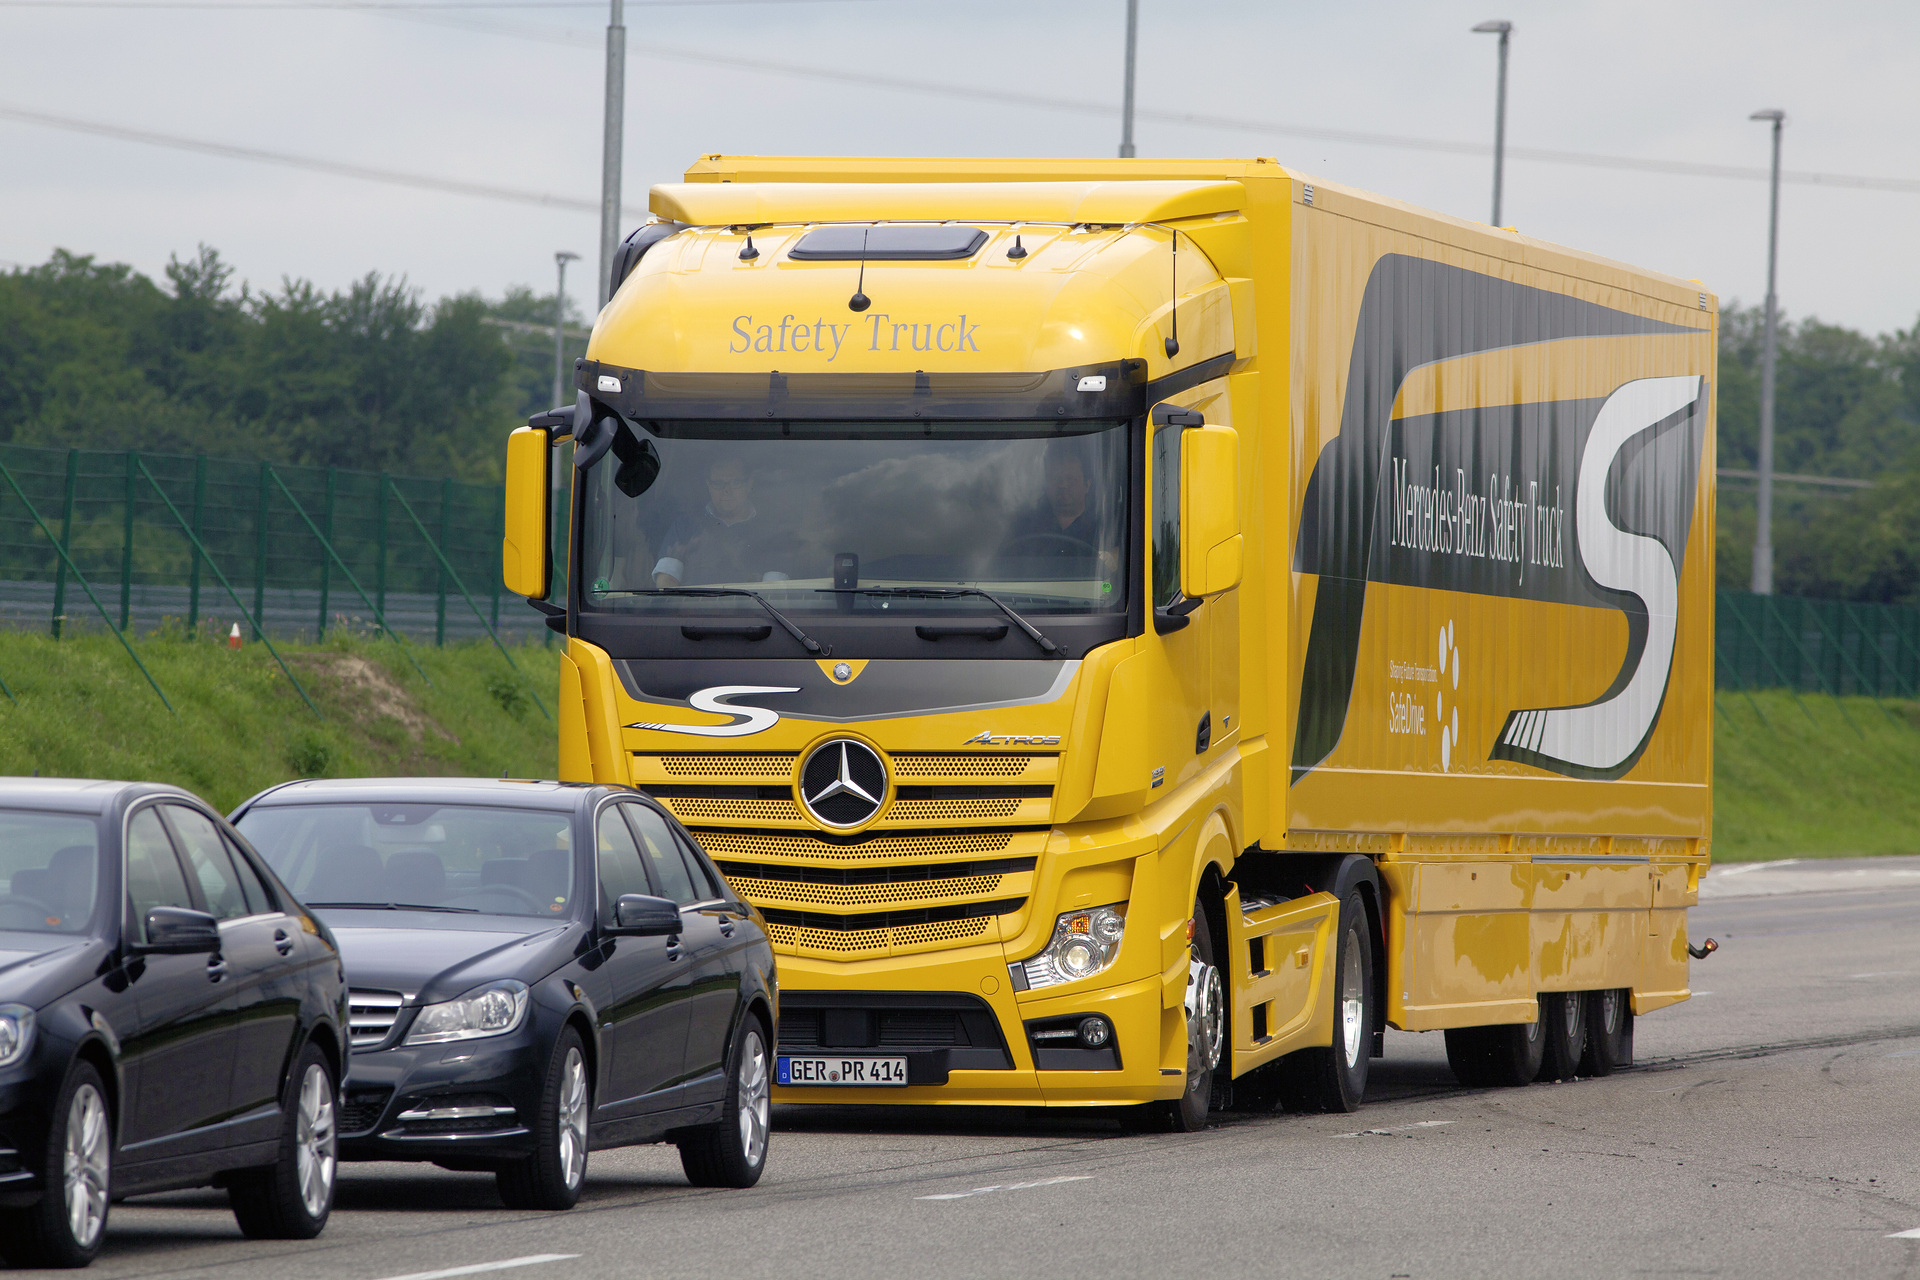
pixel 1173 311
pixel 860 301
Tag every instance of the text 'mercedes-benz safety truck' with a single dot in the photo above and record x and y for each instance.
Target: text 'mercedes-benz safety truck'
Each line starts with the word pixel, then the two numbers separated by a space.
pixel 1138 629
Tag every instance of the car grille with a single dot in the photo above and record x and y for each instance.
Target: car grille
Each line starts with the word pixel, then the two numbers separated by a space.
pixel 371 1015
pixel 362 1109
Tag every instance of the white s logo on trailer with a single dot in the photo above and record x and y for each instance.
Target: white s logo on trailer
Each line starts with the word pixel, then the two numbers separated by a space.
pixel 1605 734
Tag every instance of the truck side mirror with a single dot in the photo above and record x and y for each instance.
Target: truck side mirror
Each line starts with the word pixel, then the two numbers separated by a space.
pixel 525 563
pixel 1211 545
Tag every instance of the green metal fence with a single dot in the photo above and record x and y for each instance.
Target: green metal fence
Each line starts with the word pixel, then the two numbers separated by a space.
pixel 289 552
pixel 1836 647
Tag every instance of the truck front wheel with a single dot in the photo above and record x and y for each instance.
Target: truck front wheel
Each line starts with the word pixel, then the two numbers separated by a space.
pixel 1206 1005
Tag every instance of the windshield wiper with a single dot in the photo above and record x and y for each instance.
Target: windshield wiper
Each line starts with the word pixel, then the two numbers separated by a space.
pixel 954 593
pixel 392 906
pixel 811 645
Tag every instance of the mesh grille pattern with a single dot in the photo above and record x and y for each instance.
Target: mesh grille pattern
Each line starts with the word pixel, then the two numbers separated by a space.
pixel 889 848
pixel 873 941
pixel 960 766
pixel 773 767
pixel 952 810
pixel 685 807
pixel 861 895
pixel 362 1109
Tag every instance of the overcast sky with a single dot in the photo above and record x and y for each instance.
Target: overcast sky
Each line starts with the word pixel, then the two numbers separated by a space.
pixel 510 97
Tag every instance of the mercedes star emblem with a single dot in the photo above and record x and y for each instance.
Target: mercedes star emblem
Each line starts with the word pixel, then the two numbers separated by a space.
pixel 843 783
pixel 842 672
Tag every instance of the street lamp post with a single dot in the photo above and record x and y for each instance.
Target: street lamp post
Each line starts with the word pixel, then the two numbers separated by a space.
pixel 611 143
pixel 1126 97
pixel 1763 531
pixel 1504 30
pixel 560 260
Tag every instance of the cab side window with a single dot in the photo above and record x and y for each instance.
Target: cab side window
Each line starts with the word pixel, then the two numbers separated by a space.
pixel 621 870
pixel 664 858
pixel 222 884
pixel 154 878
pixel 1166 516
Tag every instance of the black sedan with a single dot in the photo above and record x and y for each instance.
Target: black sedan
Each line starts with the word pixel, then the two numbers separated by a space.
pixel 170 1016
pixel 538 969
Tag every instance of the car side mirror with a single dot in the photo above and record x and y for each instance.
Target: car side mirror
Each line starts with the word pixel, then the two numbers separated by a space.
pixel 646 916
pixel 178 931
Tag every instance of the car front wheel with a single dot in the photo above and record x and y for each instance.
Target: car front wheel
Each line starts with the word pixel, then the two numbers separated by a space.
pixel 733 1152
pixel 552 1176
pixel 67 1225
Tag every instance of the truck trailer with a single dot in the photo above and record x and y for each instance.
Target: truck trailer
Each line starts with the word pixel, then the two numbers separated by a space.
pixel 1138 629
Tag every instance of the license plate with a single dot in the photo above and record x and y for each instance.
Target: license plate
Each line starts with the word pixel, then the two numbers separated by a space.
pixel 835 1070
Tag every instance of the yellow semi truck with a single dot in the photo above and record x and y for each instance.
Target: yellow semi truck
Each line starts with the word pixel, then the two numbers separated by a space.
pixel 1141 628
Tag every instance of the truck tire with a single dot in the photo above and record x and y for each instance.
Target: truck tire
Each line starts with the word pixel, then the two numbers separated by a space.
pixel 1334 1078
pixel 1564 1018
pixel 1503 1057
pixel 1206 1038
pixel 1609 1032
pixel 66 1226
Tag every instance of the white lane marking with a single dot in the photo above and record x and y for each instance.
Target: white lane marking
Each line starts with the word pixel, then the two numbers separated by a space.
pixel 1881 973
pixel 1741 869
pixel 1913 1234
pixel 1398 1128
pixel 1698 994
pixel 532 1259
pixel 1008 1186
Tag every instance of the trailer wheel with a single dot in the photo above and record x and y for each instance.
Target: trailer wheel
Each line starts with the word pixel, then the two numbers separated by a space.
pixel 1334 1078
pixel 1609 1032
pixel 1503 1057
pixel 1564 1014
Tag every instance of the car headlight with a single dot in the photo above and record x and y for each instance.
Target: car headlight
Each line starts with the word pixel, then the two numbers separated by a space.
pixel 16 1033
pixel 492 1010
pixel 1083 943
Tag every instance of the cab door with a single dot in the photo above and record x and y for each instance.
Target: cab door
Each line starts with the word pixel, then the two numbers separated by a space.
pixel 1180 654
pixel 267 977
pixel 179 1054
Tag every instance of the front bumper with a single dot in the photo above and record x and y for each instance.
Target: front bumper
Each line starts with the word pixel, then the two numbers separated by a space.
pixel 485 1092
pixel 1150 1039
pixel 24 1105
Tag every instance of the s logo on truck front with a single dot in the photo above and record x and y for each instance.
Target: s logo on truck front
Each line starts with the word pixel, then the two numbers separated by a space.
pixel 746 719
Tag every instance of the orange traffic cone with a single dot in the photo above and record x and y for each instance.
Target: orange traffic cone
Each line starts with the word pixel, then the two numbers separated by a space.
pixel 233 637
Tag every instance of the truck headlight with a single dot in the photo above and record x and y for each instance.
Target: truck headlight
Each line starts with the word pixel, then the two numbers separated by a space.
pixel 492 1010
pixel 16 1033
pixel 1083 943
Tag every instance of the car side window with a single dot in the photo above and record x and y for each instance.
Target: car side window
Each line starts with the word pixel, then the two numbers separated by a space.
pixel 207 857
pixel 252 883
pixel 620 868
pixel 703 871
pixel 154 878
pixel 664 858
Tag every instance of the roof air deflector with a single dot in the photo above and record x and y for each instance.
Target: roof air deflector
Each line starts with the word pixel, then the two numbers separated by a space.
pixel 890 242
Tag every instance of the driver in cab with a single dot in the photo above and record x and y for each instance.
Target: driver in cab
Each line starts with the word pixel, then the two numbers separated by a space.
pixel 1065 523
pixel 726 542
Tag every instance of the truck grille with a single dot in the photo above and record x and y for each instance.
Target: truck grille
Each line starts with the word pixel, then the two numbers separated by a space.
pixel 929 787
pixel 938 1030
pixel 777 766
pixel 370 1017
pixel 880 893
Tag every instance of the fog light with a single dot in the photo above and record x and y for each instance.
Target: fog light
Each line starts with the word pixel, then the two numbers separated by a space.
pixel 1095 1032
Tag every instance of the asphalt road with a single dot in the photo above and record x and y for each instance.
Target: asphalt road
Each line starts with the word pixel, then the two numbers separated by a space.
pixel 1770 1130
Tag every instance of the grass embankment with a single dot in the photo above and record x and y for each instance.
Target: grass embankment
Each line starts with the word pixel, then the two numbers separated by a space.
pixel 1827 780
pixel 84 710
pixel 1815 777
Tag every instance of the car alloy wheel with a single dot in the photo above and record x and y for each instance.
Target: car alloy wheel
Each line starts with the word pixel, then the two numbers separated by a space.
pixel 316 1142
pixel 89 1142
pixel 572 1117
pixel 756 1111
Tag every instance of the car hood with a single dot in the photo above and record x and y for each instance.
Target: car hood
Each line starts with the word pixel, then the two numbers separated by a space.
pixel 439 956
pixel 38 968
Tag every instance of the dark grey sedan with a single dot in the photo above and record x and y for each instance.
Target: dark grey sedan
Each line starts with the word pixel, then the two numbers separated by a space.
pixel 539 969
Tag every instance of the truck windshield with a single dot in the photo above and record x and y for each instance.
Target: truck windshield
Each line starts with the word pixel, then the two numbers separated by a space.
pixel 801 512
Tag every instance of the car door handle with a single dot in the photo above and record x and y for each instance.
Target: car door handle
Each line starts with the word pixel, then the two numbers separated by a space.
pixel 673 947
pixel 726 927
pixel 282 943
pixel 216 969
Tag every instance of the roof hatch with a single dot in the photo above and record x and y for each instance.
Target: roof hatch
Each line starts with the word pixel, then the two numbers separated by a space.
pixel 895 242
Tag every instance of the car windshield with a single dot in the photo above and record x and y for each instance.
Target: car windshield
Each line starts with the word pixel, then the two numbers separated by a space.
pixel 516 862
pixel 805 513
pixel 49 871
